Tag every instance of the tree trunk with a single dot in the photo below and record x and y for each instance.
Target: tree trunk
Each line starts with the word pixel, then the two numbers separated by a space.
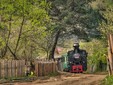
pixel 51 56
pixel 20 32
pixel 12 53
pixel 7 40
pixel 19 36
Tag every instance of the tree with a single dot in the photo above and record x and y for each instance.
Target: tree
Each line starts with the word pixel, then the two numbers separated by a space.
pixel 74 17
pixel 97 52
pixel 105 10
pixel 21 16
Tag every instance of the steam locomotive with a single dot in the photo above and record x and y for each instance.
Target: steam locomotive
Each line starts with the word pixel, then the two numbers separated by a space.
pixel 75 60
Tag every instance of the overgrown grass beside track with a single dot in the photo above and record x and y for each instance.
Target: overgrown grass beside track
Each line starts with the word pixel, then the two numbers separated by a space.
pixel 108 80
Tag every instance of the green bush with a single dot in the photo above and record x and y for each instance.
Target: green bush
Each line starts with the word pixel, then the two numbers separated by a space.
pixel 108 80
pixel 97 52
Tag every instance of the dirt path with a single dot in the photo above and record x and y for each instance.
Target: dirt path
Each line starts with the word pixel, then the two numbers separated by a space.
pixel 78 79
pixel 69 79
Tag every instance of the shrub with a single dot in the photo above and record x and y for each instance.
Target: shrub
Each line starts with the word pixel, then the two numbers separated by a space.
pixel 108 80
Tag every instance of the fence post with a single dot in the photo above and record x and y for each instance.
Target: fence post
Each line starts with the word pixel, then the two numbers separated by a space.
pixel 110 53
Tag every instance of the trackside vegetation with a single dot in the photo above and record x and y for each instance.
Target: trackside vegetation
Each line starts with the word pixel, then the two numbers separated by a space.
pixel 108 80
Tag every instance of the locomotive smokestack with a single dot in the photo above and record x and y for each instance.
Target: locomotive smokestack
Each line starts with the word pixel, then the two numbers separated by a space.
pixel 76 47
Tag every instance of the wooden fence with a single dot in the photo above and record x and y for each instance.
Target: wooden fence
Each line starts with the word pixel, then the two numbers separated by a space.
pixel 18 68
pixel 13 68
pixel 45 68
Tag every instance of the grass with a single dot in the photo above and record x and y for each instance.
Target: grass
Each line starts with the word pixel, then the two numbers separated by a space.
pixel 26 78
pixel 17 79
pixel 108 80
pixel 53 74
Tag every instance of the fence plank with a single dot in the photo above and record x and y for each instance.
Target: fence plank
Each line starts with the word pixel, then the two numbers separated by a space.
pixel 13 68
pixel 44 69
pixel 36 68
pixel 16 68
pixel 2 69
pixel 21 62
pixel 54 67
pixel 9 69
pixel 23 68
pixel 19 68
pixel 47 68
pixel 40 69
pixel 5 69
